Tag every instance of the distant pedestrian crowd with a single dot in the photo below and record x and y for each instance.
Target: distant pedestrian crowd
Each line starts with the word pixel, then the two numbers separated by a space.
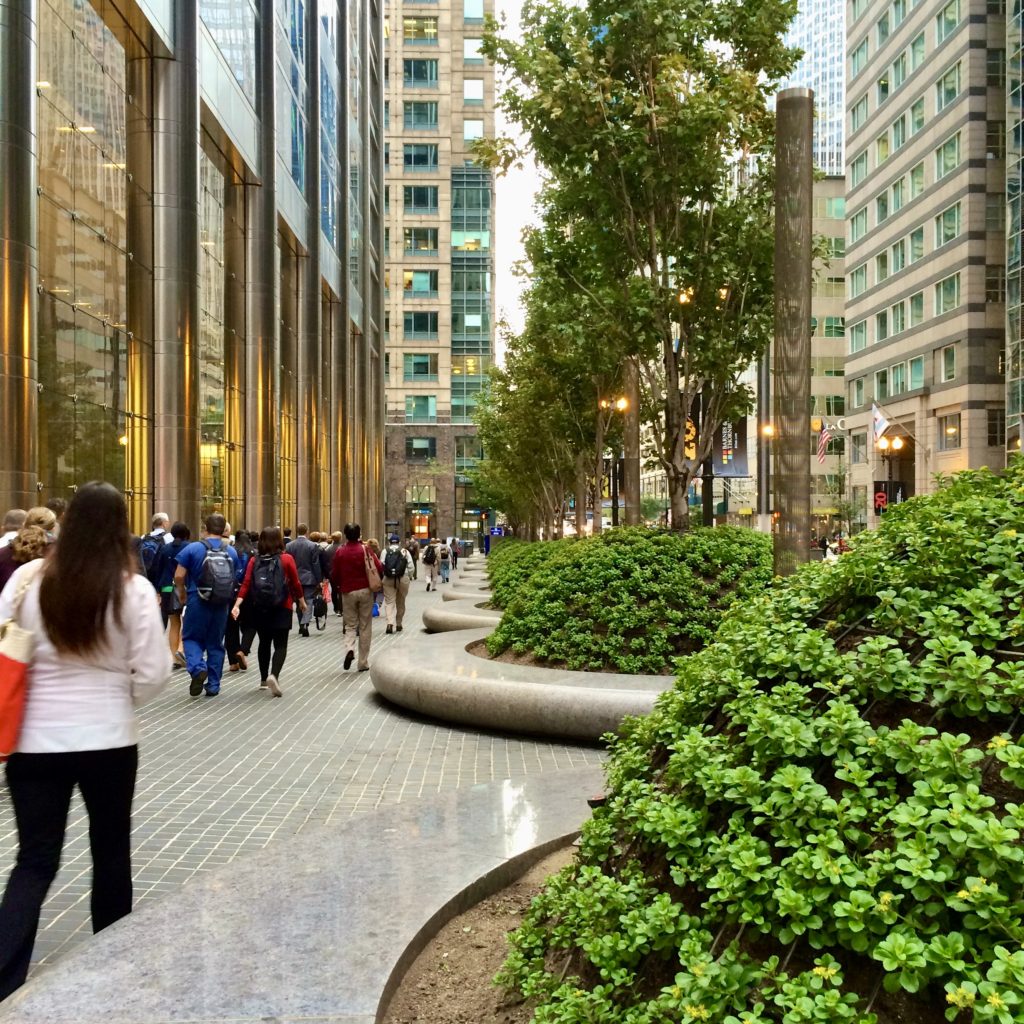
pixel 106 617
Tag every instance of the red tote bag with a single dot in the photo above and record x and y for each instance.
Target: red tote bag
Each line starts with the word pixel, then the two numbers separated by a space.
pixel 16 648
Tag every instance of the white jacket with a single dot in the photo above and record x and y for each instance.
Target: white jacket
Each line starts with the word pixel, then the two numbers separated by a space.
pixel 89 703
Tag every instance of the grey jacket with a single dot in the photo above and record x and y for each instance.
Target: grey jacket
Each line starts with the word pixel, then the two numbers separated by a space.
pixel 307 560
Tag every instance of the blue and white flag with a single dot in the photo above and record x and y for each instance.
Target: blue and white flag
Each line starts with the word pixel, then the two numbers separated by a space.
pixel 880 422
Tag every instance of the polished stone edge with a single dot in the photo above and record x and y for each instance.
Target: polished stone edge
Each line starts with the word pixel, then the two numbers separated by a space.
pixel 440 678
pixel 458 594
pixel 441 619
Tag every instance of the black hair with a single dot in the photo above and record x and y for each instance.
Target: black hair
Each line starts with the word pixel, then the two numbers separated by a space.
pixel 352 531
pixel 180 531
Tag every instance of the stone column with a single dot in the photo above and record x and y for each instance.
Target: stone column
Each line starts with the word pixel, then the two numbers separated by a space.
pixel 19 368
pixel 176 486
pixel 234 352
pixel 794 175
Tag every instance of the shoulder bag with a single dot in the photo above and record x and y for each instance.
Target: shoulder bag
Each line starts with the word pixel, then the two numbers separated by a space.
pixel 372 576
pixel 17 646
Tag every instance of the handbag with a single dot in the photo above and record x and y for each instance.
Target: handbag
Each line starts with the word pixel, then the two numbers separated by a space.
pixel 372 576
pixel 17 646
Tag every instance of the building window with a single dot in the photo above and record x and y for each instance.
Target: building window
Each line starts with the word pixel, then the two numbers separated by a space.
pixel 881 267
pixel 917 115
pixel 835 405
pixel 420 198
pixel 881 326
pixel 858 58
pixel 420 449
pixel 898 318
pixel 419 74
pixel 996 6
pixel 882 28
pixel 859 224
pixel 916 373
pixel 947 225
pixel 947 20
pixel 881 385
pixel 949 432
pixel 858 280
pixel 419 367
pixel 859 168
pixel 995 283
pixel 859 444
pixel 471 53
pixel 917 52
pixel 419 325
pixel 916 244
pixel 835 207
pixel 859 113
pixel 420 157
pixel 995 68
pixel 857 394
pixel 835 326
pixel 916 180
pixel 421 494
pixel 947 294
pixel 420 114
pixel 897 195
pixel 836 248
pixel 470 241
pixel 899 12
pixel 948 362
pixel 996 428
pixel 421 241
pixel 419 284
pixel 472 128
pixel 899 70
pixel 899 132
pixel 916 309
pixel 882 88
pixel 420 408
pixel 473 91
pixel 995 211
pixel 899 255
pixel 947 156
pixel 995 139
pixel 417 31
pixel 473 12
pixel 859 7
pixel 947 88
pixel 898 379
pixel 881 207
pixel 858 336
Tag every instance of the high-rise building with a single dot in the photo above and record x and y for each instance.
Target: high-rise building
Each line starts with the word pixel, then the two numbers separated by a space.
pixel 819 30
pixel 191 219
pixel 440 260
pixel 1014 362
pixel 925 252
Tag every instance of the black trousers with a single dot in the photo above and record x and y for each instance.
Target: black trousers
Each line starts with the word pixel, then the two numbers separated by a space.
pixel 41 787
pixel 272 627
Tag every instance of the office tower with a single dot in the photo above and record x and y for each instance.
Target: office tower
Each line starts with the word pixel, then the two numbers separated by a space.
pixel 925 251
pixel 1014 363
pixel 192 295
pixel 440 277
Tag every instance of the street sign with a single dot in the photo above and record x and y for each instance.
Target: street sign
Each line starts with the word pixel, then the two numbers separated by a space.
pixel 497 531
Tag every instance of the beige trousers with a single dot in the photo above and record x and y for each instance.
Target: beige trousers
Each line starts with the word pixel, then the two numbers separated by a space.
pixel 395 593
pixel 357 609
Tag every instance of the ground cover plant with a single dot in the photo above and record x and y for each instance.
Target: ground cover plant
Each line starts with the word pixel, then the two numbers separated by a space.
pixel 512 563
pixel 630 600
pixel 822 821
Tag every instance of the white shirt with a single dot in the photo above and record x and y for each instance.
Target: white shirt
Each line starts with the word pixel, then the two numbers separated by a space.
pixel 7 538
pixel 89 704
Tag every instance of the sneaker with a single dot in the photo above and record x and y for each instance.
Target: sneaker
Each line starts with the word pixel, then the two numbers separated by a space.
pixel 232 668
pixel 243 662
pixel 273 686
pixel 179 660
pixel 389 630
pixel 428 588
pixel 348 659
pixel 398 629
pixel 364 668
pixel 196 686
pixel 212 693
pixel 263 684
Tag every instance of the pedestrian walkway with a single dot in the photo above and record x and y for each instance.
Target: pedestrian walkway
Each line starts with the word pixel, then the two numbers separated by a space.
pixel 225 776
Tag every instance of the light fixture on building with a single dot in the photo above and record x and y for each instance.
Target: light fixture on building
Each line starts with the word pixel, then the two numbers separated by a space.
pixel 123 440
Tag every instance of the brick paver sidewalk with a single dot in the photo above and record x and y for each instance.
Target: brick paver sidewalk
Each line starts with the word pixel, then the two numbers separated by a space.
pixel 225 776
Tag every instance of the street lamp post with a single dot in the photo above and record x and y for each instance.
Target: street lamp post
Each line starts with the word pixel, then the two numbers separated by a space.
pixel 888 450
pixel 611 405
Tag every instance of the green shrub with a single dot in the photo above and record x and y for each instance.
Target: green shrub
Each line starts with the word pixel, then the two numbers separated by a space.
pixel 628 600
pixel 512 563
pixel 822 820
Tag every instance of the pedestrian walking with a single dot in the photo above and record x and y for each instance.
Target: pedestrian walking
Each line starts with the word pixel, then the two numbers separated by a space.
pixel 353 570
pixel 326 561
pixel 397 578
pixel 269 590
pixel 205 582
pixel 445 558
pixel 58 506
pixel 14 520
pixel 430 560
pixel 170 604
pixel 98 654
pixel 306 555
pixel 237 657
pixel 29 543
pixel 412 545
pixel 456 551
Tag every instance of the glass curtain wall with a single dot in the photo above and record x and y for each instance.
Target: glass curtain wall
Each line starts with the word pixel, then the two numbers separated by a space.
pixel 82 205
pixel 234 25
pixel 291 87
pixel 355 146
pixel 288 423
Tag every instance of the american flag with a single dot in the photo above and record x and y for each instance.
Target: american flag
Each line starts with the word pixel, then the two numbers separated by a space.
pixel 823 439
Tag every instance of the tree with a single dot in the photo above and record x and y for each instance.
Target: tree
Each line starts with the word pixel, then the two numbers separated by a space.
pixel 651 118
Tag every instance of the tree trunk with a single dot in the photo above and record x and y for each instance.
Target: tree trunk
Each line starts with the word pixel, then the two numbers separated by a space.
pixel 678 494
pixel 598 474
pixel 581 494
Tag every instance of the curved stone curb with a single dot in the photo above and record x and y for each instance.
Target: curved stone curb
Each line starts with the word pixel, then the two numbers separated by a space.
pixel 319 927
pixel 448 620
pixel 455 594
pixel 440 678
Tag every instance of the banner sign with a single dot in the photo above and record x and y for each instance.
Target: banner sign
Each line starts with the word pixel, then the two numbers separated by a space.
pixel 886 493
pixel 730 450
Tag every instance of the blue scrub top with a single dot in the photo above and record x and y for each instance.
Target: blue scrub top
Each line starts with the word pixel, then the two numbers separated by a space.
pixel 193 556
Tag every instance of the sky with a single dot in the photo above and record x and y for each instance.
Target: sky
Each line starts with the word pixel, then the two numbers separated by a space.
pixel 513 208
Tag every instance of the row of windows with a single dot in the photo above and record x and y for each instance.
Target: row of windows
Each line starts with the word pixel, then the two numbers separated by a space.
pixel 421 324
pixel 906 375
pixel 423 408
pixel 947 429
pixel 423 73
pixel 892 78
pixel 424 241
pixel 910 312
pixel 946 22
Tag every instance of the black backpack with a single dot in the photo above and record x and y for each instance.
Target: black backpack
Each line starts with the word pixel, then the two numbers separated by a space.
pixel 430 555
pixel 149 549
pixel 216 583
pixel 268 584
pixel 394 565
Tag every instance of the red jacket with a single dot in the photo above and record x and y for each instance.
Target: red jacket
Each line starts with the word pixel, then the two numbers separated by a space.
pixel 291 579
pixel 348 570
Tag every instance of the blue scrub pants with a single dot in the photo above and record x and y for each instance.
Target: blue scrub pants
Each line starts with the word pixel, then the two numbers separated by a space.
pixel 202 636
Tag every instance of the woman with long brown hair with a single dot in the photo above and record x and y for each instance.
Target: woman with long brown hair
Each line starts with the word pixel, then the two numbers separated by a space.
pixel 99 653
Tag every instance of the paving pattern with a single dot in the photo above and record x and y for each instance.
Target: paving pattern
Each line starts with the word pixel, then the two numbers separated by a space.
pixel 225 776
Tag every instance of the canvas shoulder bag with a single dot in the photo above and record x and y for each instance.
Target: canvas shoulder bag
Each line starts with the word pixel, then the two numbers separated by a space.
pixel 372 576
pixel 17 646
